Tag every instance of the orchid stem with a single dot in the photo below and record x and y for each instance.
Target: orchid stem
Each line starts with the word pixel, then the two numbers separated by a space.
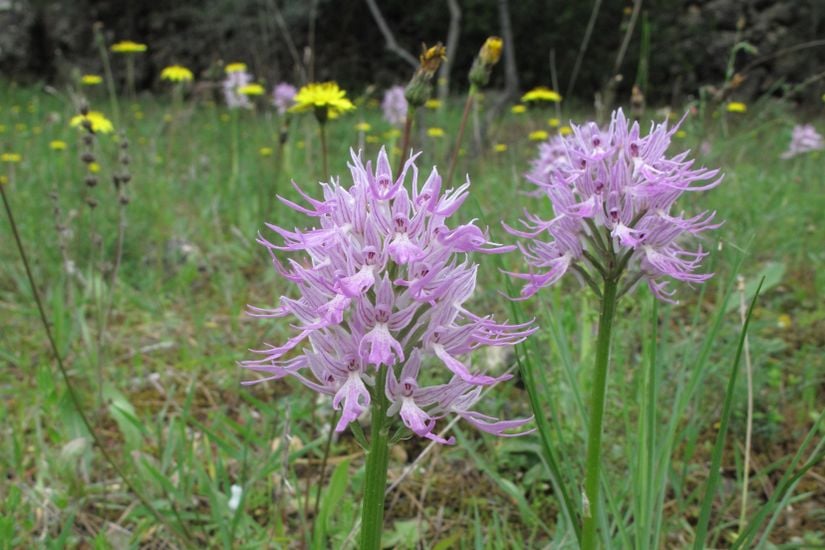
pixel 375 483
pixel 594 435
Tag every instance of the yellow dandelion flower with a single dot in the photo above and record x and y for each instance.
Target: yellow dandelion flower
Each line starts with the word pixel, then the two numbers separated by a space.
pixel 553 122
pixel 435 132
pixel 265 151
pixel 128 46
pixel 11 158
pixel 251 90
pixel 57 145
pixel 538 135
pixel 94 167
pixel 325 98
pixel 784 321
pixel 565 130
pixel 363 127
pixel 491 50
pixel 236 67
pixel 99 123
pixel 736 107
pixel 91 79
pixel 177 73
pixel 518 109
pixel 681 134
pixel 392 134
pixel 542 93
pixel 433 104
pixel 500 147
pixel 372 139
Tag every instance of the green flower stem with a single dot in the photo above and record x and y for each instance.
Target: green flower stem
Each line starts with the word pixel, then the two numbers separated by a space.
pixel 372 511
pixel 454 161
pixel 322 129
pixel 405 139
pixel 594 435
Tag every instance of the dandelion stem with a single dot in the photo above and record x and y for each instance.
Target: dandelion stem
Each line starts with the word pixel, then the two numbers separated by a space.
pixel 372 511
pixel 594 435
pixel 322 129
pixel 405 140
pixel 181 530
pixel 454 160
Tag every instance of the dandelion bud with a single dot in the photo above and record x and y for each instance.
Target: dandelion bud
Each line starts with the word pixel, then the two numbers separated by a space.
pixel 91 181
pixel 87 157
pixel 123 199
pixel 487 57
pixel 84 109
pixel 87 139
pixel 91 202
pixel 420 88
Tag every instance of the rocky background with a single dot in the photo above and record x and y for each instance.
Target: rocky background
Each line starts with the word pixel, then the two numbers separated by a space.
pixel 778 47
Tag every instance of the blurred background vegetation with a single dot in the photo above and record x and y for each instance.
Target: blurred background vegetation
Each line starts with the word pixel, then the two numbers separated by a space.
pixel 776 46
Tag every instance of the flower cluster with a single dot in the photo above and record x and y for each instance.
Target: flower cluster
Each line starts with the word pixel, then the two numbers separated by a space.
pixel 804 139
pixel 236 79
pixel 394 105
pixel 283 97
pixel 383 284
pixel 613 193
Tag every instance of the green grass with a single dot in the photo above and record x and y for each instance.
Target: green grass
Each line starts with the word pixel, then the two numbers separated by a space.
pixel 177 420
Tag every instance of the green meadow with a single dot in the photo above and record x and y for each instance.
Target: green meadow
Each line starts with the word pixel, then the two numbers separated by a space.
pixel 145 295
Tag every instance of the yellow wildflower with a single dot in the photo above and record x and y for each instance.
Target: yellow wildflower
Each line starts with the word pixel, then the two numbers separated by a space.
pixel 363 127
pixel 435 132
pixel 736 107
pixel 325 98
pixel 553 122
pixel 784 321
pixel 681 134
pixel 176 73
pixel 265 151
pixel 251 90
pixel 538 135
pixel 541 93
pixel 565 130
pixel 11 158
pixel 91 79
pixel 431 58
pixel 518 109
pixel 392 134
pixel 372 139
pixel 99 123
pixel 57 145
pixel 433 104
pixel 236 67
pixel 491 50
pixel 500 147
pixel 128 46
pixel 94 167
